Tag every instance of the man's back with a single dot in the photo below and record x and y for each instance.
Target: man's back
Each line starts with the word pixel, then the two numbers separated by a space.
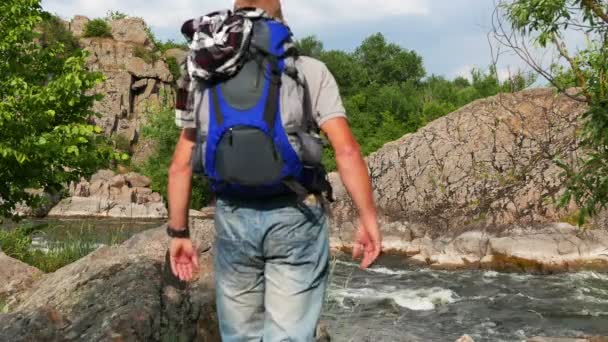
pixel 272 251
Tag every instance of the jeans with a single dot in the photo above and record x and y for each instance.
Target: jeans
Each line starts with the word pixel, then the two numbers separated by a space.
pixel 271 269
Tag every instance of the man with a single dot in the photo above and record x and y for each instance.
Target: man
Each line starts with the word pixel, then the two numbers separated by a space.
pixel 271 256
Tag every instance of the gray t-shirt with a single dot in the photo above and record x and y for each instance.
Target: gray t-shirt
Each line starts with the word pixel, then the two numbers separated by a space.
pixel 325 101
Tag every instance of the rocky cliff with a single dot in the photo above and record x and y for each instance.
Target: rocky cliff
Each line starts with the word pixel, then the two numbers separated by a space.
pixel 478 188
pixel 137 77
pixel 490 163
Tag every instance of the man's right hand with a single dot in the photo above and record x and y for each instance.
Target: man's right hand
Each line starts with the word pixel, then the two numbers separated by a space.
pixel 368 243
pixel 184 259
pixel 353 172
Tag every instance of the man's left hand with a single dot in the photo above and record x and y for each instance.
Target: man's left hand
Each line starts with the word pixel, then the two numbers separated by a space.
pixel 184 259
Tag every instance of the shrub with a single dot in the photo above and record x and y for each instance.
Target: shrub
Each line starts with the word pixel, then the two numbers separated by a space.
pixel 174 68
pixel 171 44
pixel 97 28
pixel 161 129
pixel 46 100
pixel 53 32
pixel 148 56
pixel 115 15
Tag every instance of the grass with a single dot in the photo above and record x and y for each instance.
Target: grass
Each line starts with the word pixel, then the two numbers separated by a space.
pixel 61 248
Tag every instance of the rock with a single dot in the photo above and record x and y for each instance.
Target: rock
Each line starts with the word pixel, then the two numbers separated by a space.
pixel 143 83
pixel 473 243
pixel 102 175
pixel 488 164
pixel 123 108
pixel 178 54
pixel 44 202
pixel 206 213
pixel 465 338
pixel 122 293
pixel 111 195
pixel 140 69
pixel 78 24
pixel 100 207
pixel 143 195
pixel 136 180
pixel 117 181
pixel 82 189
pixel 322 334
pixel 130 30
pixel 100 189
pixel 563 339
pixel 15 277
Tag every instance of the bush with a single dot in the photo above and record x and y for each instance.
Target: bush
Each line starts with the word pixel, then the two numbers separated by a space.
pixel 161 129
pixel 115 15
pixel 53 32
pixel 174 68
pixel 97 28
pixel 148 56
pixel 46 100
pixel 171 44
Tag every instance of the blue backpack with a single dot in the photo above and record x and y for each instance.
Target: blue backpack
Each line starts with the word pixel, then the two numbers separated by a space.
pixel 247 152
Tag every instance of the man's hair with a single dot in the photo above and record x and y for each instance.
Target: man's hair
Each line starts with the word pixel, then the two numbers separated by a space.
pixel 272 7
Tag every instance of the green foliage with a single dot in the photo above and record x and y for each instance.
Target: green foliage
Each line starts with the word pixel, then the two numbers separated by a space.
pixel 148 56
pixel 310 46
pixel 386 95
pixel 174 68
pixel 161 129
pixel 79 242
pixel 115 15
pixel 54 32
pixel 46 139
pixel 97 28
pixel 547 22
pixel 171 44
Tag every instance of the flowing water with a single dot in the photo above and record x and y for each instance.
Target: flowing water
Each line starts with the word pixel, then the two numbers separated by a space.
pixel 396 302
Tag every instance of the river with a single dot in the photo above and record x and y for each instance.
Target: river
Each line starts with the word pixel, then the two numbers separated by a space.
pixel 394 301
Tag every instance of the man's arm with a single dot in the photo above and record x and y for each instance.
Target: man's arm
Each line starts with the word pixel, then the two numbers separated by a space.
pixel 354 175
pixel 183 255
pixel 180 180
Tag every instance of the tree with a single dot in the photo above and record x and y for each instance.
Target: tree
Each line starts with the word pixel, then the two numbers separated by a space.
pixel 45 106
pixel 546 24
pixel 387 62
pixel 310 46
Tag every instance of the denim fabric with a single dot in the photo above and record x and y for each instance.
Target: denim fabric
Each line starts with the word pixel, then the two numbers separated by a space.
pixel 271 269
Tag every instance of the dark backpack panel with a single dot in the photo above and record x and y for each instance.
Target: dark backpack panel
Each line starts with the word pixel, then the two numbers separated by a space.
pixel 248 156
pixel 244 91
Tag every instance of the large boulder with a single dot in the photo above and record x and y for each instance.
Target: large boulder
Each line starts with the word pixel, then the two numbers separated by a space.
pixel 122 293
pixel 77 25
pixel 110 195
pixel 178 54
pixel 130 30
pixel 489 164
pixel 137 81
pixel 141 69
pixel 15 277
